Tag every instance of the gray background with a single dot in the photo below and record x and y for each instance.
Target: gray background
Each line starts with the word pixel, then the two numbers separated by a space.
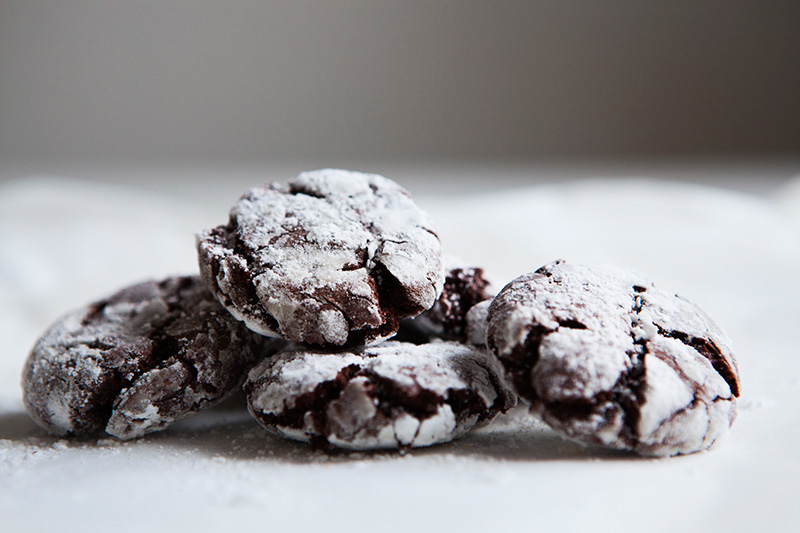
pixel 165 81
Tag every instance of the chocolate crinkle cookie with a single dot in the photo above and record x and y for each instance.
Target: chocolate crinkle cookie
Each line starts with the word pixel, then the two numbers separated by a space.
pixel 135 362
pixel 450 318
pixel 477 323
pixel 393 395
pixel 331 259
pixel 605 357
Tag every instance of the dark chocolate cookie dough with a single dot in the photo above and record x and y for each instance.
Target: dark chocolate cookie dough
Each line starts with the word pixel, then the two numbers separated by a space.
pixel 393 395
pixel 449 319
pixel 605 357
pixel 138 360
pixel 332 258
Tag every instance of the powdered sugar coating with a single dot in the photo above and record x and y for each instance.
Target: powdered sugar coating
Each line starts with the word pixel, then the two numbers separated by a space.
pixel 605 357
pixel 331 258
pixel 135 362
pixel 393 395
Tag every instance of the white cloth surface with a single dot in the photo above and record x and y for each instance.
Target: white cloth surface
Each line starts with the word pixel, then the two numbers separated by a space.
pixel 65 243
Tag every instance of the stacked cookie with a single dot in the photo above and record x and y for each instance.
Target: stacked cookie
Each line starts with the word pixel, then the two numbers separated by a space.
pixel 327 297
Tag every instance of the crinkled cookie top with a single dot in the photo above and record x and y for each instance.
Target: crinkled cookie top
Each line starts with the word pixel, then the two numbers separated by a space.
pixel 136 361
pixel 393 395
pixel 331 258
pixel 608 358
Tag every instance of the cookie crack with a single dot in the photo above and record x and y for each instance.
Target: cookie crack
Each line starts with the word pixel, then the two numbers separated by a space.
pixel 94 344
pixel 115 380
pixel 94 313
pixel 194 373
pixel 571 323
pixel 505 401
pixel 357 336
pixel 668 420
pixel 464 402
pixel 310 407
pixel 242 293
pixel 628 391
pixel 546 270
pixel 709 350
pixel 519 364
pixel 394 241
pixel 297 188
pixel 393 297
pixel 427 230
pixel 164 351
pixel 324 300
pixel 362 261
pixel 417 401
pixel 100 407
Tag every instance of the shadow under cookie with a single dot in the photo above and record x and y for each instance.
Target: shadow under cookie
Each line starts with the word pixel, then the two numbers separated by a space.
pixel 233 434
pixel 17 426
